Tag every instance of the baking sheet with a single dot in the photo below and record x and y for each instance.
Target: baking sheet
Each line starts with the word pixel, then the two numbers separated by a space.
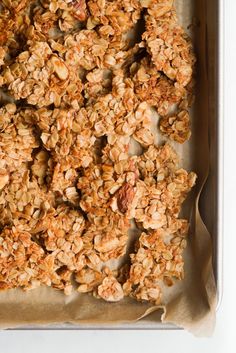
pixel 189 303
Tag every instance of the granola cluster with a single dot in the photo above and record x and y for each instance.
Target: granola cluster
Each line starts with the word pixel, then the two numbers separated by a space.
pixel 79 81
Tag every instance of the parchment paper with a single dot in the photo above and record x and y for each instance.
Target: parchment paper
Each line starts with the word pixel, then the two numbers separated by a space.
pixel 190 303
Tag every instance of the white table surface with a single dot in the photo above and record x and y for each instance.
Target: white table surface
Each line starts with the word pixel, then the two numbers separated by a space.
pixel 224 339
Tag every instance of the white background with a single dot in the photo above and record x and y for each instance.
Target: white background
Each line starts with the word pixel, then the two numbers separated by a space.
pixel 224 339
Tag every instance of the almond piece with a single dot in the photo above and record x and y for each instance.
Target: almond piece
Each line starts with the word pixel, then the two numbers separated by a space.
pixel 125 196
pixel 59 68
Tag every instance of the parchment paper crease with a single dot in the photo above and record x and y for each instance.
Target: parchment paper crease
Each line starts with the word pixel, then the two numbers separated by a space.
pixel 191 303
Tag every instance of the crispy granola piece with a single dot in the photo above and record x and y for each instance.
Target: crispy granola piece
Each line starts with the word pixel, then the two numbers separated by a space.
pixel 107 239
pixel 156 260
pixel 63 14
pixel 67 134
pixel 176 127
pixel 23 263
pixel 88 279
pixel 110 290
pixel 163 189
pixel 100 185
pixel 100 188
pixel 42 77
pixel 16 5
pixel 157 162
pixel 19 259
pixel 14 21
pixel 155 88
pixel 60 231
pixel 115 17
pixel 22 200
pixel 169 46
pixel 17 137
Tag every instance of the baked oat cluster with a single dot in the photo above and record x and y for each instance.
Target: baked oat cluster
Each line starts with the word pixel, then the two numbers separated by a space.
pixel 79 81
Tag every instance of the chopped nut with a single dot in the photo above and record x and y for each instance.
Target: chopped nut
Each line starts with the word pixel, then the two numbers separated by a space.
pixel 59 68
pixel 125 196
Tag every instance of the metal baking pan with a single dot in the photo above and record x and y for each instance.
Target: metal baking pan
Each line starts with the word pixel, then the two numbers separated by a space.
pixel 211 201
pixel 208 22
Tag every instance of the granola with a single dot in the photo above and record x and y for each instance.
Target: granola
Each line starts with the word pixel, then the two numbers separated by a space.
pixel 79 82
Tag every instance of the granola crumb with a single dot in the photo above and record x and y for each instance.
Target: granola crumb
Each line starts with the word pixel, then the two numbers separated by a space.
pixel 110 290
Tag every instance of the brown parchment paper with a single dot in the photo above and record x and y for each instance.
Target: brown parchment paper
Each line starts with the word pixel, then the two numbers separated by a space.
pixel 190 303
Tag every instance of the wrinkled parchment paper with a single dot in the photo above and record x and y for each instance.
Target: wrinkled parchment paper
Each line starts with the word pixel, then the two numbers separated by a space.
pixel 190 303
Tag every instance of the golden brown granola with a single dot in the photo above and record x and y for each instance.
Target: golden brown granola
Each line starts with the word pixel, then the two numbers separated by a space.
pixel 80 80
pixel 176 127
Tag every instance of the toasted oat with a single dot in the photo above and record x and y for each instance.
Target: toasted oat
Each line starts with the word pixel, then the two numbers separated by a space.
pixel 176 127
pixel 110 290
